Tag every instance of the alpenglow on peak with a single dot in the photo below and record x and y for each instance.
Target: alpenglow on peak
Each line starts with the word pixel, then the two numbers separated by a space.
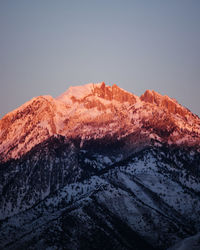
pixel 95 112
pixel 99 90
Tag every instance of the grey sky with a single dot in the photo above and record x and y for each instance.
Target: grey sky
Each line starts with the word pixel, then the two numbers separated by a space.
pixel 46 46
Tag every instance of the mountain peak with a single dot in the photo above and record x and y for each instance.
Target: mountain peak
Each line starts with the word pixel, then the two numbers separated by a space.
pixel 100 90
pixel 78 92
pixel 152 96
pixel 171 105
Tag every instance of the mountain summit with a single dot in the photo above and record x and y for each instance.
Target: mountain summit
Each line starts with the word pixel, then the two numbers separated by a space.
pixel 96 111
pixel 98 90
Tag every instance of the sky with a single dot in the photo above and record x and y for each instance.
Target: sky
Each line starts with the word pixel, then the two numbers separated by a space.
pixel 48 45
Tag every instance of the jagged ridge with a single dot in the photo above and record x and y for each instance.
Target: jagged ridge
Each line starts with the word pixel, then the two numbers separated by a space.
pixel 94 111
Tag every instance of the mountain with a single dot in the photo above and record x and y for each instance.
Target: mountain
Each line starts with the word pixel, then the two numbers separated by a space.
pixel 99 167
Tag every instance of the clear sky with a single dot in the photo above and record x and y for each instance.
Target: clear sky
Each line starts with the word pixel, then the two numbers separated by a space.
pixel 48 45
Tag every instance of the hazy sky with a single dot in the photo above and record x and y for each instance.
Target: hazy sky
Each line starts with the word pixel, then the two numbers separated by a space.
pixel 46 46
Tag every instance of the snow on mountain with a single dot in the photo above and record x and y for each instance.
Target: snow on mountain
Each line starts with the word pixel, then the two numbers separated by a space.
pixel 150 196
pixel 78 92
pixel 93 111
pixel 27 126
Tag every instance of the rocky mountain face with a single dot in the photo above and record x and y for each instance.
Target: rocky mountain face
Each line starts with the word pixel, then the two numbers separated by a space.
pixel 99 168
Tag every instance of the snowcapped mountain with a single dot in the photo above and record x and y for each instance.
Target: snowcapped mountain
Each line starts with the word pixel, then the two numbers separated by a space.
pixel 94 111
pixel 99 167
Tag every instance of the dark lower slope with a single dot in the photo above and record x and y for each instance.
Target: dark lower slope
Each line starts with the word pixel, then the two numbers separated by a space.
pixel 89 226
pixel 75 199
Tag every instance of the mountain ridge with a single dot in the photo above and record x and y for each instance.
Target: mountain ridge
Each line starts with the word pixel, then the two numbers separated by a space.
pixel 93 111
